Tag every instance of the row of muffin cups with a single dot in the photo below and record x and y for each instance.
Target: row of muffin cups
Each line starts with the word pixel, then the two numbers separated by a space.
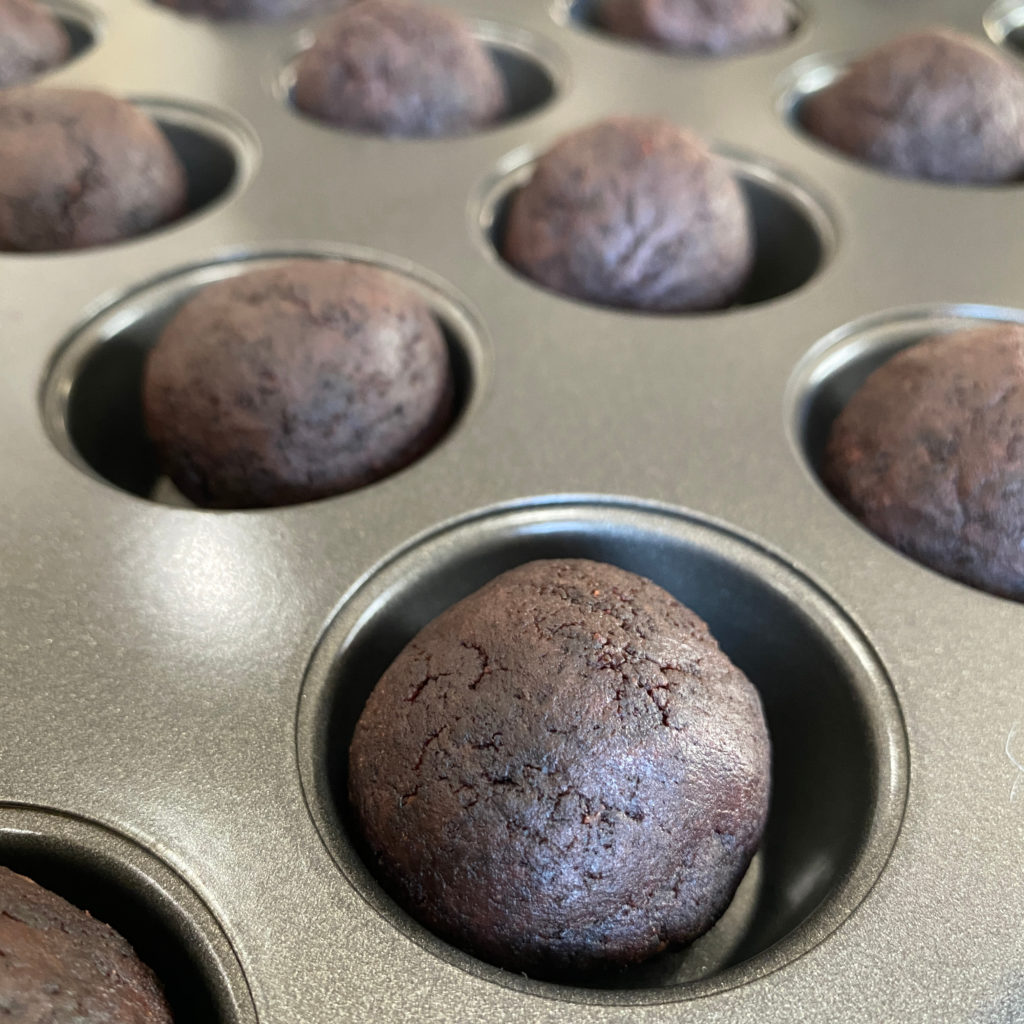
pixel 840 755
pixel 1002 22
pixel 219 152
pixel 91 397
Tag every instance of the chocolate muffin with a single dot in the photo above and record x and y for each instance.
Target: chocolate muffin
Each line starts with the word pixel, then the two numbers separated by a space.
pixel 32 41
pixel 395 68
pixel 632 212
pixel 562 772
pixel 80 168
pixel 61 966
pixel 929 454
pixel 295 382
pixel 717 27
pixel 935 105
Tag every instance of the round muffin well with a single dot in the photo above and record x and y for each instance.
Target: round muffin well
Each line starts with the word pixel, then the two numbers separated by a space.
pixel 936 105
pixel 80 168
pixel 716 27
pixel 59 964
pixel 295 382
pixel 32 40
pixel 634 213
pixel 929 455
pixel 393 68
pixel 563 771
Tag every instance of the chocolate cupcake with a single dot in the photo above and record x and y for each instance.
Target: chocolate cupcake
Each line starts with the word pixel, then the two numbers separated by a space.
pixel 80 168
pixel 935 104
pixel 562 772
pixel 32 41
pixel 717 27
pixel 295 382
pixel 61 966
pixel 929 455
pixel 395 68
pixel 633 212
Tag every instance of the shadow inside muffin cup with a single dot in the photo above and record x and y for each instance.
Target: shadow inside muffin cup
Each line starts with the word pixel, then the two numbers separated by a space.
pixel 836 367
pixel 121 885
pixel 1004 24
pixel 838 747
pixel 793 236
pixel 804 79
pixel 532 73
pixel 81 23
pixel 584 14
pixel 810 76
pixel 92 399
pixel 217 153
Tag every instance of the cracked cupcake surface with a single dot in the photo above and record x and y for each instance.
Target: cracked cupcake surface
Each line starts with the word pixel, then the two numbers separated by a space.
pixel 296 382
pixel 936 105
pixel 717 27
pixel 563 771
pixel 633 212
pixel 80 168
pixel 395 68
pixel 59 965
pixel 929 455
pixel 32 40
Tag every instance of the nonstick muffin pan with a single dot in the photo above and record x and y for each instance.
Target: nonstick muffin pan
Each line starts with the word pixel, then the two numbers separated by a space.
pixel 179 686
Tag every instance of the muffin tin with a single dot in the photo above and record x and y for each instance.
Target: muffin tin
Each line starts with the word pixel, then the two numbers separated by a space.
pixel 178 685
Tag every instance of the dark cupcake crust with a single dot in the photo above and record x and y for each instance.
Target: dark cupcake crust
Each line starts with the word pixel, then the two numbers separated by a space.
pixel 636 213
pixel 32 41
pixel 291 383
pixel 717 27
pixel 80 168
pixel 935 105
pixel 395 68
pixel 562 771
pixel 61 966
pixel 929 455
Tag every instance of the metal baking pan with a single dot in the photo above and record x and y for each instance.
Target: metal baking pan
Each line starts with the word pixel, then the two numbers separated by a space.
pixel 177 686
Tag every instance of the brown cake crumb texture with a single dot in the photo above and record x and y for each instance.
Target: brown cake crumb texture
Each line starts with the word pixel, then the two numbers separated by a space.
pixel 294 382
pixel 929 454
pixel 633 212
pixel 32 40
pixel 562 771
pixel 80 168
pixel 395 68
pixel 717 27
pixel 936 104
pixel 58 965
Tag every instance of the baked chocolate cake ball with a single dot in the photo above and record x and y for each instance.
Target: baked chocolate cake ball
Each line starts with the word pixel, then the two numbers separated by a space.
pixel 58 965
pixel 716 27
pixel 562 772
pixel 80 168
pixel 295 382
pixel 929 454
pixel 633 212
pixel 935 105
pixel 32 41
pixel 396 68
